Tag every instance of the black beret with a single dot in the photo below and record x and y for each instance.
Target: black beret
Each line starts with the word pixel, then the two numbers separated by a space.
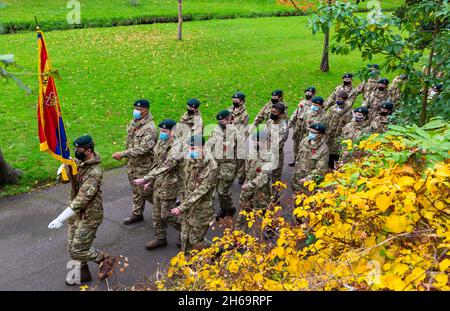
pixel 277 93
pixel 347 75
pixel 167 124
pixel 239 95
pixel 223 114
pixel 259 134
pixel 195 140
pixel 438 86
pixel 279 107
pixel 84 141
pixel 318 100
pixel 376 66
pixel 193 102
pixel 311 89
pixel 319 127
pixel 142 103
pixel 387 105
pixel 383 81
pixel 403 76
pixel 363 110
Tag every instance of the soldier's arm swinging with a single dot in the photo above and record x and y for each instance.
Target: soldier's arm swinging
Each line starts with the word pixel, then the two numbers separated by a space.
pixel 206 185
pixel 87 191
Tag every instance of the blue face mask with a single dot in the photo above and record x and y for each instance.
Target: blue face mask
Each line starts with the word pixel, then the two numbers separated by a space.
pixel 163 136
pixel 136 114
pixel 314 108
pixel 312 136
pixel 194 154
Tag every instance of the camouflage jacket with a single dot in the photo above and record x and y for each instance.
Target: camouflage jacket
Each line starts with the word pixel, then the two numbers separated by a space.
pixel 297 116
pixel 258 172
pixel 165 173
pixel 312 158
pixel 337 118
pixel 395 91
pixel 87 201
pixel 379 124
pixel 264 113
pixel 354 130
pixel 193 122
pixel 349 89
pixel 374 100
pixel 311 117
pixel 366 87
pixel 198 188
pixel 281 126
pixel 239 116
pixel 141 140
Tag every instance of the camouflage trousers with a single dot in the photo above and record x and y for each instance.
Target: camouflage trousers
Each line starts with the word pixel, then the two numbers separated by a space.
pixel 276 173
pixel 192 236
pixel 162 217
pixel 139 194
pixel 227 174
pixel 80 235
pixel 249 201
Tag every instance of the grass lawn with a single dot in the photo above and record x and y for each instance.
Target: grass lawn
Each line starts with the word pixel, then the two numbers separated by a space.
pixel 19 14
pixel 104 70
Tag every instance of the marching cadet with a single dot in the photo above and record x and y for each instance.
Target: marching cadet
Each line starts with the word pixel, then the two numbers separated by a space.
pixel 337 117
pixel 369 86
pixel 165 178
pixel 312 157
pixel 264 113
pixel 85 212
pixel 358 126
pixel 316 114
pixel 239 118
pixel 374 100
pixel 277 124
pixel 347 87
pixel 380 123
pixel 395 89
pixel 197 208
pixel 256 190
pixel 141 140
pixel 191 119
pixel 295 121
pixel 222 145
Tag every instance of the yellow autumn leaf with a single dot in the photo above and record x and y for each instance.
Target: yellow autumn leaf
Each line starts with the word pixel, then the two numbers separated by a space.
pixel 383 202
pixel 405 181
pixel 441 278
pixel 444 264
pixel 396 223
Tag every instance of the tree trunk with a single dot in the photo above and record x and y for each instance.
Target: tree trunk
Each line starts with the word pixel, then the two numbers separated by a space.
pixel 180 20
pixel 8 175
pixel 324 64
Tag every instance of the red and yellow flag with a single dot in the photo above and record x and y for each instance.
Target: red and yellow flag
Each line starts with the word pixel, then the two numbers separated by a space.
pixel 52 134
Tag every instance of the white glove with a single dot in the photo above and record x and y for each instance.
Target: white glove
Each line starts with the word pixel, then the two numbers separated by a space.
pixel 59 221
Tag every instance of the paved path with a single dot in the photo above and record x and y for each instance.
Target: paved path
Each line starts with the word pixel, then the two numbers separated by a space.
pixel 33 257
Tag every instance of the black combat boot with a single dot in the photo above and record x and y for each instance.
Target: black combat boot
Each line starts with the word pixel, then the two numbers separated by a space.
pixel 133 219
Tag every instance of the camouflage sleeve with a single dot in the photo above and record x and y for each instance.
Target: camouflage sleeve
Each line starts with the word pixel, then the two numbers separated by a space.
pixel 165 167
pixel 145 146
pixel 293 117
pixel 260 117
pixel 87 191
pixel 330 100
pixel 360 88
pixel 284 131
pixel 207 184
pixel 321 165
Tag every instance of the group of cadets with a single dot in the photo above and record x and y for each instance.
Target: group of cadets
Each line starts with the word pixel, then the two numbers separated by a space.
pixel 179 172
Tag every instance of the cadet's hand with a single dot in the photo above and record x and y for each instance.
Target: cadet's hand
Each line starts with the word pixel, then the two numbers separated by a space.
pixel 303 180
pixel 245 187
pixel 55 224
pixel 139 181
pixel 176 211
pixel 117 156
pixel 148 186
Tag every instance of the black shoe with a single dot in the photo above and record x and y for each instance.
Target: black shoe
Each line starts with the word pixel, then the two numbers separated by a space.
pixel 292 164
pixel 132 219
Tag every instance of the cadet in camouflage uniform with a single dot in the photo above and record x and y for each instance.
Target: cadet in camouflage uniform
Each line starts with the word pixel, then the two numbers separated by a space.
pixel 296 120
pixel 165 176
pixel 374 100
pixel 239 118
pixel 316 114
pixel 337 117
pixel 141 140
pixel 264 114
pixel 278 131
pixel 312 158
pixel 190 120
pixel 85 212
pixel 222 145
pixel 395 89
pixel 347 87
pixel 369 86
pixel 256 190
pixel 358 126
pixel 197 204
pixel 380 123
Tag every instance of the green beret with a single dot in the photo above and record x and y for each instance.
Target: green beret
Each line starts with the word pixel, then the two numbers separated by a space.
pixel 311 89
pixel 277 93
pixel 223 114
pixel 167 124
pixel 387 105
pixel 347 75
pixel 239 95
pixel 363 110
pixel 279 107
pixel 142 103
pixel 195 140
pixel 193 102
pixel 319 127
pixel 84 141
pixel 318 100
pixel 383 81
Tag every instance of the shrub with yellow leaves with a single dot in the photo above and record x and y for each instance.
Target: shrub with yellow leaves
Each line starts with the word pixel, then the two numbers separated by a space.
pixel 375 223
